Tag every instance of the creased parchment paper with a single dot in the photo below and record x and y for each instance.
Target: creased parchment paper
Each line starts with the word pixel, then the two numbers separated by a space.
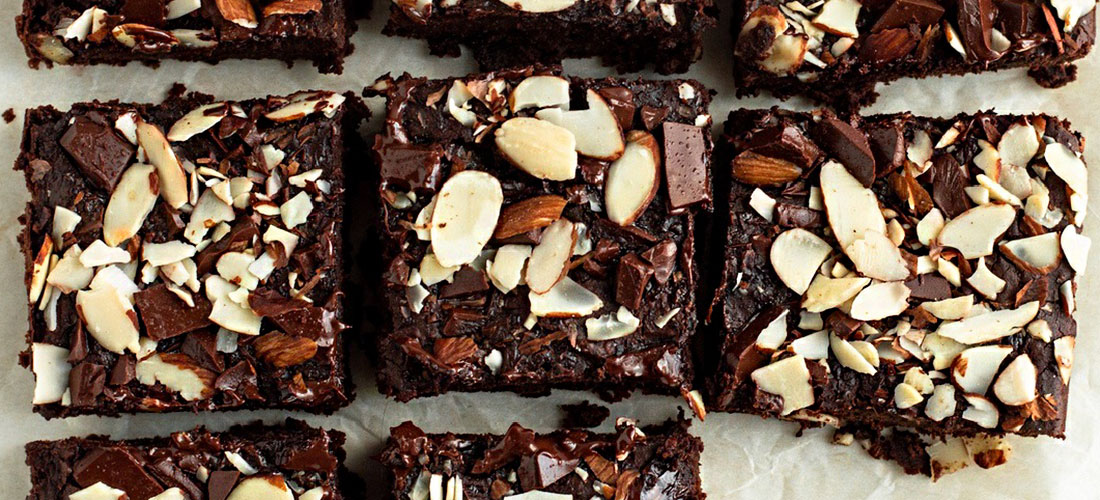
pixel 745 457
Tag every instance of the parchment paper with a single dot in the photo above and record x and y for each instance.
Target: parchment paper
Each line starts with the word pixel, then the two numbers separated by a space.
pixel 745 457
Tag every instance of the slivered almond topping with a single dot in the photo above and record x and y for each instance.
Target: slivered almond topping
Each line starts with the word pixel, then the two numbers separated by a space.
pixel 466 212
pixel 527 215
pixel 540 91
pixel 974 231
pixel 1015 386
pixel 567 299
pixel 975 368
pixel 130 203
pixel 632 180
pixel 796 254
pixel 789 379
pixel 1037 254
pixel 550 258
pixel 851 208
pixel 173 182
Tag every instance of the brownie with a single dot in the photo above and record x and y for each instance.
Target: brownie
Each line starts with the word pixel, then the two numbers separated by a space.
pixel 287 461
pixel 515 263
pixel 900 271
pixel 633 462
pixel 631 35
pixel 118 31
pixel 835 51
pixel 198 270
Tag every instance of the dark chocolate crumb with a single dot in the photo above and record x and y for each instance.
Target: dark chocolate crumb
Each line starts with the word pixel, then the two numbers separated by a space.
pixel 9 115
pixel 583 415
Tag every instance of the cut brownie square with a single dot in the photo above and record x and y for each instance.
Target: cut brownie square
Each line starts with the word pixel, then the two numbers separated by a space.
pixel 835 51
pixel 538 232
pixel 652 462
pixel 186 256
pixel 119 31
pixel 902 271
pixel 629 36
pixel 289 461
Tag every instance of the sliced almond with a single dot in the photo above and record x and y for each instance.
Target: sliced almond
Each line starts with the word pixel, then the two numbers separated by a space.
pixel 197 121
pixel 839 17
pixel 538 147
pixel 208 212
pixel 947 456
pixel 40 269
pixel 789 379
pixel 69 275
pixel 98 491
pixel 160 254
pixel 849 357
pixel 763 204
pixel 930 226
pixel 632 180
pixel 596 129
pixel 109 318
pixel 950 309
pixel 550 258
pixel 989 326
pixel 458 103
pixel 239 12
pixel 466 212
pixel 906 396
pixel 1015 386
pixel 920 151
pixel 1036 254
pixel 795 255
pixel 540 91
pixel 1075 246
pixel 302 104
pixel 567 299
pixel 851 208
pixel 528 215
pixel 176 9
pixel 1018 145
pixel 880 301
pixel 787 54
pixel 974 231
pixel 292 7
pixel 988 451
pixel 611 326
pixel 296 210
pixel 981 411
pixel 506 271
pixel 196 39
pixel 178 373
pixel 1063 354
pixel 172 180
pixel 984 281
pixel 813 346
pixel 826 293
pixel 1067 166
pixel 875 256
pixel 975 368
pixel 942 403
pixel 539 6
pixel 130 203
pixel 99 254
pixel 773 335
pixel 51 372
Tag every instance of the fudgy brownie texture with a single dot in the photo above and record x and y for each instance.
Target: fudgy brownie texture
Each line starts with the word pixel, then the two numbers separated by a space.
pixel 835 51
pixel 513 262
pixel 119 31
pixel 195 270
pixel 652 462
pixel 893 270
pixel 627 35
pixel 289 461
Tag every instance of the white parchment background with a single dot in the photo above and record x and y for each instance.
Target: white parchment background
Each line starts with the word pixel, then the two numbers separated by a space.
pixel 745 457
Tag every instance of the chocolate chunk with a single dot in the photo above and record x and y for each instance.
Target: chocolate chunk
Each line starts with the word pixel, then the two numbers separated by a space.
pixel 593 171
pixel 786 143
pixel 662 257
pixel 789 215
pixel 165 315
pixel 929 287
pixel 239 379
pixel 148 12
pixel 653 116
pixel 630 284
pixel 220 483
pixel 314 457
pixel 544 468
pixel 240 236
pixel 202 347
pixel 78 344
pixel 742 354
pixel 409 167
pixel 99 152
pixel 889 45
pixel 467 280
pixel 849 146
pixel 685 165
pixel 902 12
pixel 124 371
pixel 948 179
pixel 172 475
pixel 86 383
pixel 976 28
pixel 888 146
pixel 516 441
pixel 116 468
pixel 1018 18
pixel 297 317
pixel 621 102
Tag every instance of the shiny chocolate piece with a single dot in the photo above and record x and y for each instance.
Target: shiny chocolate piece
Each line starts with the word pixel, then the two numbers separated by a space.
pixel 632 278
pixel 165 315
pixel 100 153
pixel 901 13
pixel 686 165
pixel 785 143
pixel 195 461
pixel 849 146
pixel 660 461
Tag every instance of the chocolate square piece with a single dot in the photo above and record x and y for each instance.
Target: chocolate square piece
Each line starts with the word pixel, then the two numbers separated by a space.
pixel 119 31
pixel 556 248
pixel 252 461
pixel 660 461
pixel 629 36
pixel 186 256
pixel 836 51
pixel 937 298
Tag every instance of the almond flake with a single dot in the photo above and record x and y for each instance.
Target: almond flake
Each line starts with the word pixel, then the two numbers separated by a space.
pixel 920 150
pixel 179 8
pixel 99 254
pixel 458 103
pixel 983 280
pixel 974 231
pixel 550 258
pixel 942 403
pixel 1037 254
pixel 208 212
pixel 880 301
pixel 110 319
pixel 906 396
pixel 981 411
pixel 773 335
pixel 1063 354
pixel 789 379
pixel 1015 386
pixel 1067 166
pixel 813 346
pixel 539 6
pixel 69 275
pixel 632 180
pixel 762 204
pixel 267 487
pixel 170 176
pixel 851 208
pixel 950 309
pixel 40 269
pixel 51 372
pixel 114 278
pixel 302 104
pixel 849 356
pixel 130 203
pixel 1076 248
pixel 826 293
pixel 197 121
pixel 177 373
pixel 596 129
pixel 466 212
pixel 795 255
pixel 787 53
pixel 64 221
pixel 989 326
pixel 506 270
pixel 930 226
pixel 540 91
pixel 1018 145
pixel 226 312
pixel 947 456
pixel 975 367
pixel 1071 11
pixel 875 256
pixel 611 325
pixel 567 299
pixel 233 266
pixel 98 491
pixel 839 17
pixel 296 210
